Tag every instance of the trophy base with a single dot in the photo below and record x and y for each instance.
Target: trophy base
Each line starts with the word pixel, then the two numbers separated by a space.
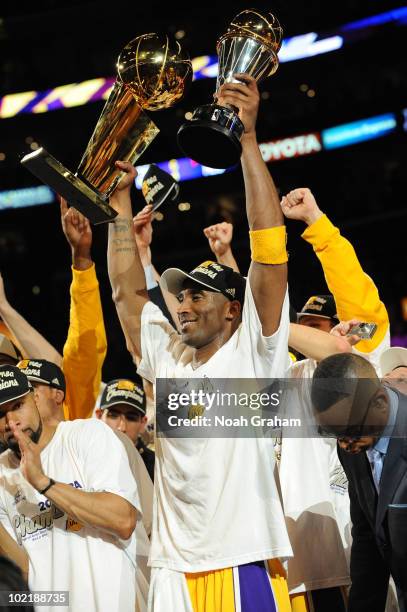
pixel 77 193
pixel 212 136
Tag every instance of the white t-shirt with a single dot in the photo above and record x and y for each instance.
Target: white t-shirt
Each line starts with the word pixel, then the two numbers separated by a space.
pixel 145 488
pixel 145 485
pixel 97 569
pixel 216 503
pixel 307 468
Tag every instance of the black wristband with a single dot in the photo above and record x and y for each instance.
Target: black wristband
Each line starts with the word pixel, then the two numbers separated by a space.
pixel 51 483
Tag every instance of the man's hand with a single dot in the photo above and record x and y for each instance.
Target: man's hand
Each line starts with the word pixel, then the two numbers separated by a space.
pixel 129 178
pixel 219 237
pixel 343 328
pixel 78 233
pixel 301 205
pixel 120 198
pixel 30 463
pixel 143 229
pixel 245 97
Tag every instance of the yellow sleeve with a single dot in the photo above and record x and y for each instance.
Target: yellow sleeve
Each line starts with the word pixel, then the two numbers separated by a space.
pixel 85 347
pixel 356 295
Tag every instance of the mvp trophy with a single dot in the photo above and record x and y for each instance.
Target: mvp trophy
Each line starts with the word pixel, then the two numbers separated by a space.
pixel 212 136
pixel 152 75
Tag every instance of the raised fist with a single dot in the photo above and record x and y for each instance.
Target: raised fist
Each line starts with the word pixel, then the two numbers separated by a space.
pixel 219 237
pixel 301 205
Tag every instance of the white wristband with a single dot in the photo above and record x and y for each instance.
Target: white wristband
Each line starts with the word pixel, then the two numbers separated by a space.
pixel 150 280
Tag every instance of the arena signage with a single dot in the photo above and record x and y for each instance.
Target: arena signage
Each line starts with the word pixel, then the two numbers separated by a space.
pixel 295 146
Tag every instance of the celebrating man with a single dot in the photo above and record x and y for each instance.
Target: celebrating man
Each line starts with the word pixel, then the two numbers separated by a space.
pixel 68 497
pixel 207 489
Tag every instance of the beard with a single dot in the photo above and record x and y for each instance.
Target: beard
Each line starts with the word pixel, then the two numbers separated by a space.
pixel 12 443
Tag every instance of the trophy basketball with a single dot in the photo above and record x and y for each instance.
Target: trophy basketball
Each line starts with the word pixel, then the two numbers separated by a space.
pixel 212 136
pixel 152 75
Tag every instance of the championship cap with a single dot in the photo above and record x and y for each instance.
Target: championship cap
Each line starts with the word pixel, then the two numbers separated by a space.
pixel 211 276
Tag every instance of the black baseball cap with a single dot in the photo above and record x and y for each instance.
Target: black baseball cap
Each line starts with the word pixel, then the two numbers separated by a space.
pixel 320 306
pixel 212 276
pixel 8 348
pixel 13 383
pixel 44 372
pixel 123 391
pixel 159 186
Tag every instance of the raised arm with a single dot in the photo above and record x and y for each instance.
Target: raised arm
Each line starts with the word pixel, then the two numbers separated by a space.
pixel 34 345
pixel 317 344
pixel 143 231
pixel 126 271
pixel 356 295
pixel 86 345
pixel 268 270
pixel 220 237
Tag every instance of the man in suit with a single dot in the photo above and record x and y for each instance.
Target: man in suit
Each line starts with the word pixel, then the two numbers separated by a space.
pixel 369 421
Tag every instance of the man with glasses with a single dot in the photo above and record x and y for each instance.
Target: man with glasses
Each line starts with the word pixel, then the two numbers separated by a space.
pixel 123 408
pixel 369 421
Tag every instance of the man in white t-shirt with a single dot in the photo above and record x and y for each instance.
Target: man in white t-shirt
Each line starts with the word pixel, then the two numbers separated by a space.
pixel 123 408
pixel 217 517
pixel 68 498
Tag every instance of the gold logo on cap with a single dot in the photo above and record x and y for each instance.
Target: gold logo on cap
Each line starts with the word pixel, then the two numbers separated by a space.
pixel 206 264
pixel 126 385
pixel 316 298
pixel 23 364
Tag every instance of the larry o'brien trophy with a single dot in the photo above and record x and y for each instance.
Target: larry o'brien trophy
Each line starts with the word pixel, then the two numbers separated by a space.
pixel 212 136
pixel 152 75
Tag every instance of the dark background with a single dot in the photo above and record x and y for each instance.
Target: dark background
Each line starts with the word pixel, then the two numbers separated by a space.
pixel 362 187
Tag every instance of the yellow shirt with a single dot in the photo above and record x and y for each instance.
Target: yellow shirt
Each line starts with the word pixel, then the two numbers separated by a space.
pixel 356 295
pixel 85 347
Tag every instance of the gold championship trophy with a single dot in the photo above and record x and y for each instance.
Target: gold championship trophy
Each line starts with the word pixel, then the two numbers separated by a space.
pixel 212 136
pixel 152 75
